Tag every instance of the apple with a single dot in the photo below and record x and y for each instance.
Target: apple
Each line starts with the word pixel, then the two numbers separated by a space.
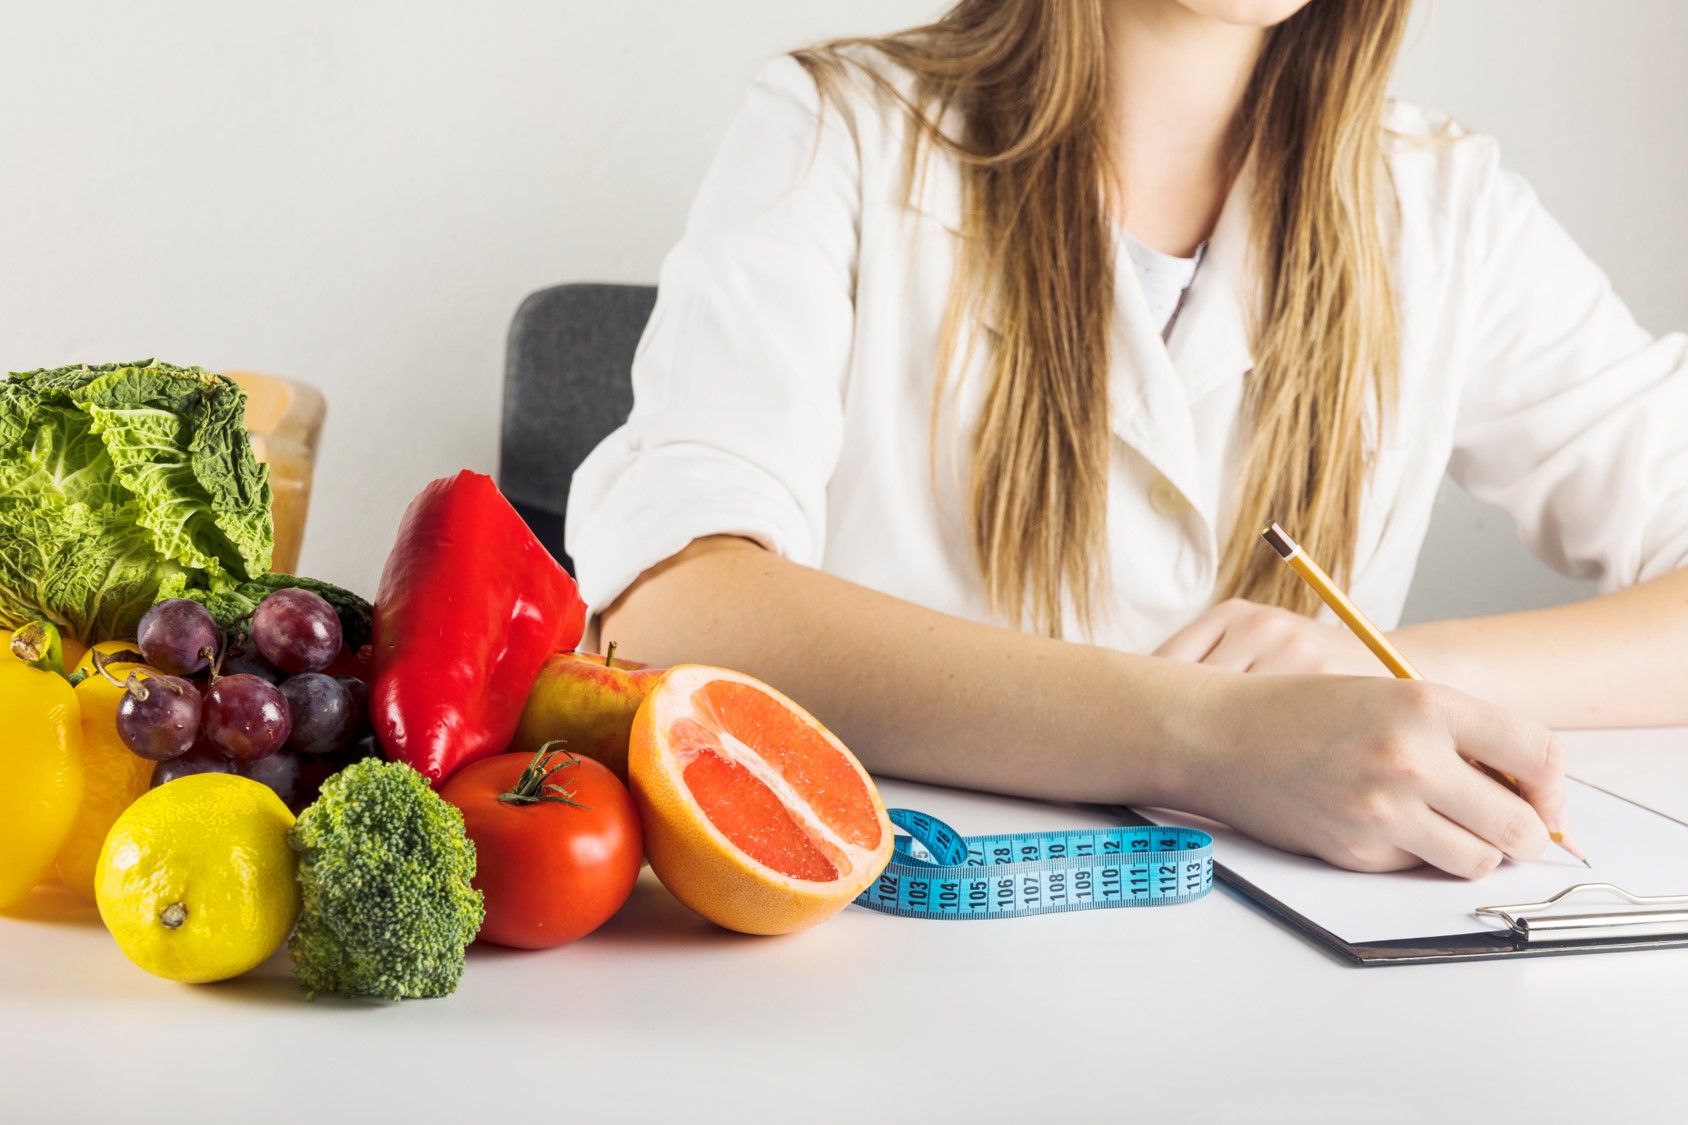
pixel 587 700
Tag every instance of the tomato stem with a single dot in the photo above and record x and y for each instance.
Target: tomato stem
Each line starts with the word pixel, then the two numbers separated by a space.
pixel 531 788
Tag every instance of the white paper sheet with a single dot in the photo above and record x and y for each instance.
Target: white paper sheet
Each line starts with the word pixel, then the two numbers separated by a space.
pixel 1644 852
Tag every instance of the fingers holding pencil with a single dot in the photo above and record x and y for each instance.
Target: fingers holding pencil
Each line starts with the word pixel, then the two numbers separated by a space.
pixel 1516 799
pixel 1536 753
pixel 1525 759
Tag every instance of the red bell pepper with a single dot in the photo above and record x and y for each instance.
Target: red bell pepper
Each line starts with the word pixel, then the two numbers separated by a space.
pixel 469 607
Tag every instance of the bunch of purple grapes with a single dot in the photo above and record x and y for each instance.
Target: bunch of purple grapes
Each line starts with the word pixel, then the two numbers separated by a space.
pixel 258 702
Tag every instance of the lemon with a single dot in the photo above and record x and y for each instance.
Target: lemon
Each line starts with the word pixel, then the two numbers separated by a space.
pixel 113 778
pixel 119 669
pixel 196 881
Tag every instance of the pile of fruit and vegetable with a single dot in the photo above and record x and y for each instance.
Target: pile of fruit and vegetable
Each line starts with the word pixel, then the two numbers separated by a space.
pixel 226 760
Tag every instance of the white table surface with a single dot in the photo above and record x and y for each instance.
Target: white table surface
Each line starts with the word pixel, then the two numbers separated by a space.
pixel 1209 1011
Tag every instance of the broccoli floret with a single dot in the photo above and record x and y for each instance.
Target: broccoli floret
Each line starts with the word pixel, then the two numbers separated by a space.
pixel 385 868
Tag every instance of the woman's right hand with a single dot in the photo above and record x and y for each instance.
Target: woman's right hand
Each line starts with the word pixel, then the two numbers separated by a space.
pixel 1377 775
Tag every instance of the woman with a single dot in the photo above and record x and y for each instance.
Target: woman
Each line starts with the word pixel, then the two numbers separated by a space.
pixel 991 346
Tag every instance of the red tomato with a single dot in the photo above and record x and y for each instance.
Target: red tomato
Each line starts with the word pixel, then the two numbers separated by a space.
pixel 553 865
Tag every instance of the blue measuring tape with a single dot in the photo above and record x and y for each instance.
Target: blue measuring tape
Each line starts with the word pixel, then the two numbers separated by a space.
pixel 935 872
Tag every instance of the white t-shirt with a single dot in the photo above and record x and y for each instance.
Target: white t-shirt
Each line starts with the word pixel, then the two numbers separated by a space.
pixel 783 390
pixel 1164 278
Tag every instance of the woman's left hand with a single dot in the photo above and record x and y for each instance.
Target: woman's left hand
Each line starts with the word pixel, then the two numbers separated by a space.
pixel 1245 636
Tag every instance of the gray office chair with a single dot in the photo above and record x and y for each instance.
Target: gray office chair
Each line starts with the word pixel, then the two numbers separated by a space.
pixel 567 384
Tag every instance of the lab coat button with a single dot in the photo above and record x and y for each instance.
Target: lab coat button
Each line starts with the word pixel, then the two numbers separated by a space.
pixel 1165 498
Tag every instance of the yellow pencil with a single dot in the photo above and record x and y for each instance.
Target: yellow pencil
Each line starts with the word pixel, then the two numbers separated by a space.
pixel 1360 625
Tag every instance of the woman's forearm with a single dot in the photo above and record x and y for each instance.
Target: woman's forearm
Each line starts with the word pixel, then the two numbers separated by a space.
pixel 916 693
pixel 1372 774
pixel 1617 660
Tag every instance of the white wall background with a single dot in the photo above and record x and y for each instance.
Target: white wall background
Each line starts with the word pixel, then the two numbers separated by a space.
pixel 359 194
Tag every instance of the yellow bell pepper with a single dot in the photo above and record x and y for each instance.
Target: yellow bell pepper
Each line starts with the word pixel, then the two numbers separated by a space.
pixel 40 773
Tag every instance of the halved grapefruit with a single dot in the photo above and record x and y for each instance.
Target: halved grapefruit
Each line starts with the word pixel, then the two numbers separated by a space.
pixel 755 815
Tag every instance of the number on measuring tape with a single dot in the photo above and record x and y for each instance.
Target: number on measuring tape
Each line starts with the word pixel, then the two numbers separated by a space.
pixel 935 872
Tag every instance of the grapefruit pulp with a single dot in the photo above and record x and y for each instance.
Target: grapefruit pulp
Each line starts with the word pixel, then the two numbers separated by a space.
pixel 755 815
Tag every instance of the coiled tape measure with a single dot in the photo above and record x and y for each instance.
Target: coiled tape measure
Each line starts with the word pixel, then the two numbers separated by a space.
pixel 935 872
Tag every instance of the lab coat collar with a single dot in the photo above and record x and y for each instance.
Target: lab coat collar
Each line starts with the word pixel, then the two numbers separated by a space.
pixel 1210 343
pixel 1153 383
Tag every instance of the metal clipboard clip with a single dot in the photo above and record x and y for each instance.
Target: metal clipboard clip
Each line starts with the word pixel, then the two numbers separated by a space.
pixel 1619 924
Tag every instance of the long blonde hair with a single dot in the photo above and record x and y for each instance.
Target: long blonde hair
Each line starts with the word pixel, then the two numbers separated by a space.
pixel 1028 80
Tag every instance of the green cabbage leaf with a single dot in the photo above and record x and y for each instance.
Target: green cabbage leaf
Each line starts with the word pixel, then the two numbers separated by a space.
pixel 120 483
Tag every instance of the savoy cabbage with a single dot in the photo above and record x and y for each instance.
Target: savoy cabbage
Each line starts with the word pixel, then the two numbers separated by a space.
pixel 121 484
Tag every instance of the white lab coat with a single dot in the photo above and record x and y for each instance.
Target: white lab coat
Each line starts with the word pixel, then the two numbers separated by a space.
pixel 783 390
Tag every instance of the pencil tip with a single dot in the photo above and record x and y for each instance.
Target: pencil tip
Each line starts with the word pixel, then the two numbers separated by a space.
pixel 1563 839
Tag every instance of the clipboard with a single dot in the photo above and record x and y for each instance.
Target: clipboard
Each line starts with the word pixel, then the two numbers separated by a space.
pixel 1478 946
pixel 1557 925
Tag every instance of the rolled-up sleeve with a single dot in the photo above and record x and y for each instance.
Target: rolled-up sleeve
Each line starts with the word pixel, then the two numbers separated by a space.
pixel 738 382
pixel 1573 418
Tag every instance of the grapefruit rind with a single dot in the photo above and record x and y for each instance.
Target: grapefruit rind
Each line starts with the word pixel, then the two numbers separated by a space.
pixel 698 862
